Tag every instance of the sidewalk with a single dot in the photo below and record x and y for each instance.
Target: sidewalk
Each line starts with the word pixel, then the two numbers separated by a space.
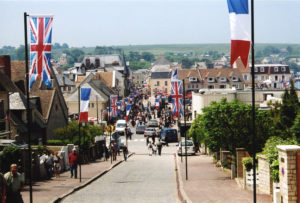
pixel 207 183
pixel 49 190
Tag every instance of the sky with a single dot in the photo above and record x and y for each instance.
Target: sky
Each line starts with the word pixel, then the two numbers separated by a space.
pixel 142 22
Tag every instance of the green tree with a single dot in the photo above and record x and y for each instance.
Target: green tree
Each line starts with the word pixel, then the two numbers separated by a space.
pixel 296 128
pixel 228 125
pixel 20 53
pixel 148 56
pixel 70 132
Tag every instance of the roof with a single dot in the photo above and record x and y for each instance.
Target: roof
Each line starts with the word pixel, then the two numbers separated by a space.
pixel 104 59
pixel 161 75
pixel 186 73
pixel 67 82
pixel 17 102
pixel 46 100
pixel 107 77
pixel 18 71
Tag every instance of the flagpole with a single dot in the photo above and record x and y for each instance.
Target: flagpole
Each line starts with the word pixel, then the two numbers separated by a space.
pixel 253 102
pixel 28 108
pixel 79 137
pixel 184 117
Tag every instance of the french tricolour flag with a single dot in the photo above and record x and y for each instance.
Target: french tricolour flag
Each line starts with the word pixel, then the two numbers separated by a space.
pixel 240 30
pixel 128 108
pixel 156 103
pixel 84 104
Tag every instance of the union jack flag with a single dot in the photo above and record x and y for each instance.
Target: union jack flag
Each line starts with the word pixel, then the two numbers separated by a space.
pixel 177 98
pixel 40 49
pixel 113 106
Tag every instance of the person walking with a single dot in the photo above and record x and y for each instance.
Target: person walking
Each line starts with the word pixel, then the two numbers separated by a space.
pixel 159 146
pixel 125 152
pixel 2 189
pixel 73 163
pixel 154 149
pixel 14 185
pixel 150 148
pixel 56 167
pixel 49 165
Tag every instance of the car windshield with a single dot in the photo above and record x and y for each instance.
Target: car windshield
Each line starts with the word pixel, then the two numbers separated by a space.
pixel 153 121
pixel 121 125
pixel 149 129
pixel 187 143
pixel 141 127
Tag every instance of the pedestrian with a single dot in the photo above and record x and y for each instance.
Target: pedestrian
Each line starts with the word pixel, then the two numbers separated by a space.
pixel 125 152
pixel 73 163
pixel 154 149
pixel 153 138
pixel 147 140
pixel 2 189
pixel 115 151
pixel 150 148
pixel 159 146
pixel 129 133
pixel 106 154
pixel 56 167
pixel 14 185
pixel 49 165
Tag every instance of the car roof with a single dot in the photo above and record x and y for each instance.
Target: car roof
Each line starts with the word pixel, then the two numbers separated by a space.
pixel 141 126
pixel 150 128
pixel 153 120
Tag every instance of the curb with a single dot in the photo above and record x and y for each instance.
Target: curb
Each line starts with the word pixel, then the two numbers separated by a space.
pixel 60 198
pixel 181 193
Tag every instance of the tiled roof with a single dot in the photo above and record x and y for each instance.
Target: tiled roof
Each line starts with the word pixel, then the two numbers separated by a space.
pixel 46 100
pixel 221 72
pixel 68 82
pixel 161 75
pixel 106 77
pixel 161 60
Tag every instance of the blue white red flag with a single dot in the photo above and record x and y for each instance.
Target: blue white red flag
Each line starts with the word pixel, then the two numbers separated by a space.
pixel 85 94
pixel 40 49
pixel 113 106
pixel 177 98
pixel 240 27
pixel 174 75
pixel 156 103
pixel 128 108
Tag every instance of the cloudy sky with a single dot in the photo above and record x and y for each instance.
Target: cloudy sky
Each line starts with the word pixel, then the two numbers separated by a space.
pixel 134 22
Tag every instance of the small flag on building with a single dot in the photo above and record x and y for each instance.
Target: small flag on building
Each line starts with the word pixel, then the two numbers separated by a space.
pixel 113 106
pixel 177 98
pixel 174 75
pixel 156 103
pixel 240 25
pixel 85 94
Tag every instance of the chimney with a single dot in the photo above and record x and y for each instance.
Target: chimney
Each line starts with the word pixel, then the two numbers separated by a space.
pixel 5 63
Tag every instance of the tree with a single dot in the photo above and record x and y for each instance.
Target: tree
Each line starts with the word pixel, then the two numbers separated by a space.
pixel 289 49
pixel 70 132
pixel 20 53
pixel 296 128
pixel 228 125
pixel 148 56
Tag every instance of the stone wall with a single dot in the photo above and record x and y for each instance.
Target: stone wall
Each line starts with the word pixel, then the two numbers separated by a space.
pixel 288 172
pixel 265 181
pixel 240 154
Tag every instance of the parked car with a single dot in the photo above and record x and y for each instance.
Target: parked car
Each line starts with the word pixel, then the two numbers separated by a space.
pixel 120 126
pixel 153 123
pixel 140 129
pixel 189 146
pixel 149 132
pixel 169 135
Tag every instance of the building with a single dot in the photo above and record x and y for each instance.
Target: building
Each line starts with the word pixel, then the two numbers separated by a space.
pixel 139 77
pixel 65 84
pixel 160 82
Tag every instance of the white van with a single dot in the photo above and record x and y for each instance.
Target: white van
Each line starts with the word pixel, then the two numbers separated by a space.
pixel 120 126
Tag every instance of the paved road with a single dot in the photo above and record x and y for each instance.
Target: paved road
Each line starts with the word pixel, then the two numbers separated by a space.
pixel 142 178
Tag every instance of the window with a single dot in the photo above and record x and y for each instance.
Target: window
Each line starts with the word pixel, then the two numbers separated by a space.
pixel 211 79
pixel 222 86
pixel 245 77
pixel 262 69
pixel 197 86
pixel 211 87
pixel 282 77
pixel 236 86
pixel 262 77
pixel 275 85
pixel 255 77
pixel 276 69
pixel 283 69
pixel 189 86
pixel 222 79
pixel 276 77
pixel 235 79
pixel 92 105
pixel 166 89
pixel 69 88
pixel 192 86
pixel 157 83
pixel 166 83
pixel 65 88
pixel 255 69
pixel 192 79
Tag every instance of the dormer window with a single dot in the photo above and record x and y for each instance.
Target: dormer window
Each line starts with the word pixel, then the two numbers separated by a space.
pixel 223 79
pixel 235 79
pixel 211 79
pixel 283 69
pixel 276 69
pixel 262 69
pixel 97 62
pixel 193 79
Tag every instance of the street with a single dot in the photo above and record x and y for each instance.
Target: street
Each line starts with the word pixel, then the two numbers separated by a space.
pixel 142 178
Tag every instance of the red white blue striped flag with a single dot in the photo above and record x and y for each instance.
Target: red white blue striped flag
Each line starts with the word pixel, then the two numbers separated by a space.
pixel 240 27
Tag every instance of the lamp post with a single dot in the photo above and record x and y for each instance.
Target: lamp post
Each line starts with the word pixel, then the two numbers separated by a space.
pixel 84 145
